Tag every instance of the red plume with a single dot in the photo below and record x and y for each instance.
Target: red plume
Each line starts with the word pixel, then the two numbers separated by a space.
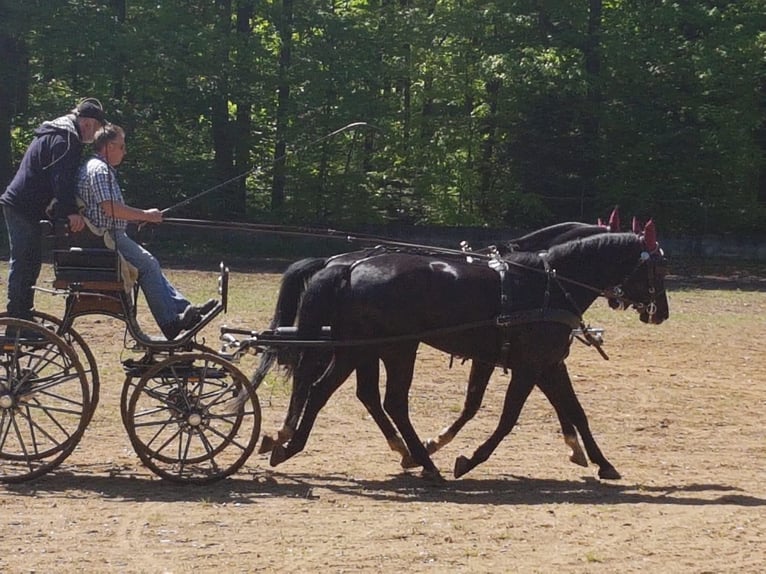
pixel 636 226
pixel 650 236
pixel 614 220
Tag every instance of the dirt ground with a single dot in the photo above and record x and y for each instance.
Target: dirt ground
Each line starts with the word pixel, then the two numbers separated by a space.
pixel 678 409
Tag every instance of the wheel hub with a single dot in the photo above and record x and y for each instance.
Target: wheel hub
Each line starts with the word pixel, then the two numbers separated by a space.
pixel 194 420
pixel 6 401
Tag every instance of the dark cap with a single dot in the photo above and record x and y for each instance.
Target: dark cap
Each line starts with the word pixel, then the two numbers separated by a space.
pixel 91 108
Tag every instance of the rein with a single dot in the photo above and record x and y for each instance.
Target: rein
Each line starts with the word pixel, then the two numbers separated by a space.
pixel 493 258
pixel 376 240
pixel 327 233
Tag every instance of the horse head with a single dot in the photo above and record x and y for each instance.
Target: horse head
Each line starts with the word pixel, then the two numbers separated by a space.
pixel 644 287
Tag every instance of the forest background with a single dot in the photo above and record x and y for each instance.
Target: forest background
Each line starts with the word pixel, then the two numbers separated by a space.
pixel 505 114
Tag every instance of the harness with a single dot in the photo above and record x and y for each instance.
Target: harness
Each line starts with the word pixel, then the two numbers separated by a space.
pixel 586 334
pixel 508 319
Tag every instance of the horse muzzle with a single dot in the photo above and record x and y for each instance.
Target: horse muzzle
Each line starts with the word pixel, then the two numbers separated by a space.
pixel 653 313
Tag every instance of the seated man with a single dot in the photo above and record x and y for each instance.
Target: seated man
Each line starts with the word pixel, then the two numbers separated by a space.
pixel 106 209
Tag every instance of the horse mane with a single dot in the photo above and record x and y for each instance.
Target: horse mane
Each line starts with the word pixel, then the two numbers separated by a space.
pixel 608 243
pixel 544 238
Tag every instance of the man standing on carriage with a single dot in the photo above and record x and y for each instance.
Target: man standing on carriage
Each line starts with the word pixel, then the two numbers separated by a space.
pixel 46 175
pixel 107 211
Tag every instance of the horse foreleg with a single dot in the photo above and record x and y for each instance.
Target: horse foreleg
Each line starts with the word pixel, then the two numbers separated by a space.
pixel 318 395
pixel 368 393
pixel 477 385
pixel 577 455
pixel 515 396
pixel 560 386
pixel 400 364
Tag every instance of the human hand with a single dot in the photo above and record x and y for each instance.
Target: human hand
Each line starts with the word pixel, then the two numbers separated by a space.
pixel 153 215
pixel 76 222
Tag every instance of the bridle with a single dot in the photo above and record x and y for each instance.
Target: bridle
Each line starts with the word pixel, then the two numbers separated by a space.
pixel 615 295
pixel 652 261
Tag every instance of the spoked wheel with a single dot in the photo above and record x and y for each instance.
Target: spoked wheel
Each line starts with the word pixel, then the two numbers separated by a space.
pixel 192 418
pixel 45 401
pixel 84 354
pixel 135 371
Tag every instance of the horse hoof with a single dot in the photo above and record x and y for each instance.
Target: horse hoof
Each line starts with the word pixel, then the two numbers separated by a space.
pixel 278 455
pixel 461 466
pixel 433 476
pixel 578 458
pixel 267 444
pixel 409 462
pixel 609 473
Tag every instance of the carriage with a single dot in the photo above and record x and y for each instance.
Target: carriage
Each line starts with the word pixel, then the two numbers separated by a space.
pixel 176 398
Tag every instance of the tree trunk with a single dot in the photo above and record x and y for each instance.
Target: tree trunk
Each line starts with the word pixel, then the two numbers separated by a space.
pixel 220 125
pixel 591 124
pixel 118 83
pixel 238 199
pixel 14 73
pixel 486 167
pixel 283 100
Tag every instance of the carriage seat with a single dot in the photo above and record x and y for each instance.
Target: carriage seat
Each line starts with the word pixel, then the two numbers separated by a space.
pixel 82 260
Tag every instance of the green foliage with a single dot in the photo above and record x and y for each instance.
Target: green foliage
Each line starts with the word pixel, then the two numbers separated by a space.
pixel 513 113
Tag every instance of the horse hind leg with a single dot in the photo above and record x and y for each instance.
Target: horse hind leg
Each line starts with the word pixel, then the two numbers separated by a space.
pixel 319 393
pixel 400 363
pixel 368 393
pixel 313 363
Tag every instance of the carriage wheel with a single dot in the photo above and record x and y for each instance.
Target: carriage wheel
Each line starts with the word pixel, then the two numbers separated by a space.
pixel 44 400
pixel 84 354
pixel 192 418
pixel 132 380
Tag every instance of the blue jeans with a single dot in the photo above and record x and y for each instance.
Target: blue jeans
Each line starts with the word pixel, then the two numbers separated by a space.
pixel 165 301
pixel 24 266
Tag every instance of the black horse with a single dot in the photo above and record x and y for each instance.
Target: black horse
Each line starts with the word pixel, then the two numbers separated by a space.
pixel 518 315
pixel 293 283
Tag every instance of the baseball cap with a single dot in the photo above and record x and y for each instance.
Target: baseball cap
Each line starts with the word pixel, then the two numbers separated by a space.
pixel 91 108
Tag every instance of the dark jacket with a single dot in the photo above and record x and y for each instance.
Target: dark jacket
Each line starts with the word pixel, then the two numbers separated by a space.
pixel 47 171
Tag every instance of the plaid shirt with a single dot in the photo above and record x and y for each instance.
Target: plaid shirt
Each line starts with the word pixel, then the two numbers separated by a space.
pixel 97 182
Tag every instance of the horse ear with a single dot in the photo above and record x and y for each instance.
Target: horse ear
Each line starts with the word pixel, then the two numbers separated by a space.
pixel 614 220
pixel 600 223
pixel 636 227
pixel 650 236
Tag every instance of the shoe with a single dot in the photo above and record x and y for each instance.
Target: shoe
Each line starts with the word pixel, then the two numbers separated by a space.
pixel 183 322
pixel 206 307
pixel 171 330
pixel 190 317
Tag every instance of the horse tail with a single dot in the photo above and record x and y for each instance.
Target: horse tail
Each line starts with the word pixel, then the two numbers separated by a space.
pixel 293 284
pixel 319 303
pixel 317 309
